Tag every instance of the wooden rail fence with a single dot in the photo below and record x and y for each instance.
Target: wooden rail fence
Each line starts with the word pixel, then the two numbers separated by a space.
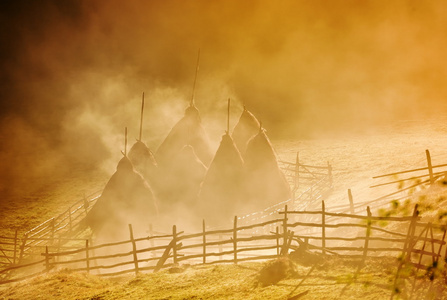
pixel 365 238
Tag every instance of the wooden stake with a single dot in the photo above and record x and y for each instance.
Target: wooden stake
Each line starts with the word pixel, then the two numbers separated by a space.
pixel 141 118
pixel 191 103
pixel 134 249
pixel 47 259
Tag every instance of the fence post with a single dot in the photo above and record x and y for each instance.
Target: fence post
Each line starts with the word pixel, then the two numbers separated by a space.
pixel 15 248
pixel 174 238
pixel 277 241
pixel 284 226
pixel 87 258
pixel 351 201
pixel 368 233
pixel 235 240
pixel 204 241
pixel 22 248
pixel 134 249
pixel 323 229
pixel 430 168
pixel 47 259
pixel 406 251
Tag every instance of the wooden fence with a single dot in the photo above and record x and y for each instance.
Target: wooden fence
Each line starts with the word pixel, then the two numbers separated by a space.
pixel 353 236
pixel 53 232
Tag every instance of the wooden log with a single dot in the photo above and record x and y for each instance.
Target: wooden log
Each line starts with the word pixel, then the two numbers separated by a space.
pixel 165 255
pixel 134 249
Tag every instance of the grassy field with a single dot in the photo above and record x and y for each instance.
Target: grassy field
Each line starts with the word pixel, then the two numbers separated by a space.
pixel 329 279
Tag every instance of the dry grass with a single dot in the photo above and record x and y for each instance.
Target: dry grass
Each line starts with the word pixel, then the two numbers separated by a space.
pixel 333 279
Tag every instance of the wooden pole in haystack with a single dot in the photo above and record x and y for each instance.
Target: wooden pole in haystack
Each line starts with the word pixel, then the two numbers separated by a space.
pixel 141 119
pixel 191 103
pixel 125 142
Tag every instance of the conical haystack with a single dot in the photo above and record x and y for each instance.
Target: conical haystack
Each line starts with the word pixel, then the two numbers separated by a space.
pixel 246 128
pixel 127 199
pixel 267 184
pixel 188 131
pixel 223 189
pixel 181 185
pixel 143 161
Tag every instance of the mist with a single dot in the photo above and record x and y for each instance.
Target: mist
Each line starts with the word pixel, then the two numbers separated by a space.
pixel 73 73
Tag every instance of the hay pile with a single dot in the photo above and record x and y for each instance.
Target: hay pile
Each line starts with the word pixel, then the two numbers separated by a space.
pixel 276 270
pixel 127 199
pixel 182 183
pixel 223 189
pixel 246 128
pixel 188 131
pixel 143 161
pixel 267 184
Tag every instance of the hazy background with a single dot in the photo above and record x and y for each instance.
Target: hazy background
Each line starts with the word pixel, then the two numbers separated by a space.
pixel 72 72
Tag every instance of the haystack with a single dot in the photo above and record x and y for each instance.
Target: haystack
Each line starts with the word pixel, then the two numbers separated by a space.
pixel 180 186
pixel 223 189
pixel 188 131
pixel 143 161
pixel 127 199
pixel 246 128
pixel 267 184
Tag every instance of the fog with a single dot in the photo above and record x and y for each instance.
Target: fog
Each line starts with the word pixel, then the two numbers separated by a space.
pixel 72 73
